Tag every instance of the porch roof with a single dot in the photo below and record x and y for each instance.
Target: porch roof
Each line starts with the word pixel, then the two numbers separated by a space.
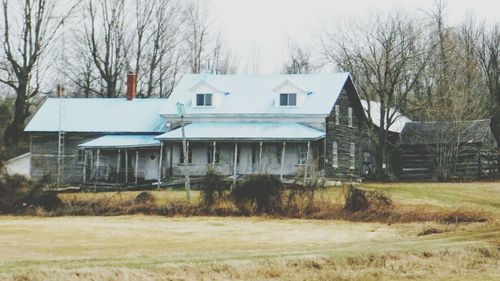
pixel 240 131
pixel 122 141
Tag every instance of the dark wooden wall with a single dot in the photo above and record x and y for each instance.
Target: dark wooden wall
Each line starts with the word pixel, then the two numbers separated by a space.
pixel 344 135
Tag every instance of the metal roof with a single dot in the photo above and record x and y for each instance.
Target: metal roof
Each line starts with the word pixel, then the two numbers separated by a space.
pixel 105 115
pixel 122 141
pixel 399 120
pixel 423 133
pixel 255 94
pixel 244 132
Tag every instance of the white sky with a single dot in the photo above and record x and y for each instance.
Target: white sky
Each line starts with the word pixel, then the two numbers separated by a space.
pixel 257 31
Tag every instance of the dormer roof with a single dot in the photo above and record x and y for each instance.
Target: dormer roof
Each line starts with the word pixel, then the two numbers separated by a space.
pixel 256 94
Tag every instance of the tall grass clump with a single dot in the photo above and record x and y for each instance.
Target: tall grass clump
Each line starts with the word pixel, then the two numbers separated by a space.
pixel 260 193
pixel 360 200
pixel 212 189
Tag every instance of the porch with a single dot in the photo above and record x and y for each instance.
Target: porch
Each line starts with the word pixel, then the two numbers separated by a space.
pixel 120 160
pixel 240 149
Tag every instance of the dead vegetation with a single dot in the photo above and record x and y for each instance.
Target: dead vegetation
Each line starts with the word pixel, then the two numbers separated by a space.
pixel 466 264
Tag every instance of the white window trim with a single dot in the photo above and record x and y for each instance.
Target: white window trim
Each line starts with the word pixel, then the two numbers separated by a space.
pixel 288 106
pixel 349 112
pixel 352 154
pixel 335 155
pixel 337 114
pixel 204 94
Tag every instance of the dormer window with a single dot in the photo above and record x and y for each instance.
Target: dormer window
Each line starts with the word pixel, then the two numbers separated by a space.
pixel 203 99
pixel 288 99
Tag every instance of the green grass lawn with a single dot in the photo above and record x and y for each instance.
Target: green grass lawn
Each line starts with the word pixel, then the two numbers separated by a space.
pixel 256 248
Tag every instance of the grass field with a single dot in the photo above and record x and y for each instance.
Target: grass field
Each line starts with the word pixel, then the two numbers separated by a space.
pixel 255 248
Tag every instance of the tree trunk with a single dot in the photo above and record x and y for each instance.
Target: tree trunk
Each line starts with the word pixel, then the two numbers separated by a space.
pixel 14 132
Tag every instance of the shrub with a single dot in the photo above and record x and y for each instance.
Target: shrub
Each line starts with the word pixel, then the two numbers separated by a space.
pixel 144 197
pixel 213 188
pixel 262 192
pixel 355 199
pixel 360 200
pixel 18 194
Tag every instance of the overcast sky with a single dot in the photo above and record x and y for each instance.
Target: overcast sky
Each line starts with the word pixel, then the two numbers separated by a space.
pixel 257 31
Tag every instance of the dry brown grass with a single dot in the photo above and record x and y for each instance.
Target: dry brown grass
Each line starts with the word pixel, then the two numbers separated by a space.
pixel 468 264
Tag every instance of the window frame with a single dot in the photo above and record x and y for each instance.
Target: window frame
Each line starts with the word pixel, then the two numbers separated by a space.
pixel 337 114
pixel 206 97
pixel 288 95
pixel 181 154
pixel 350 120
pixel 81 155
pixel 352 154
pixel 210 152
pixel 301 153
pixel 335 154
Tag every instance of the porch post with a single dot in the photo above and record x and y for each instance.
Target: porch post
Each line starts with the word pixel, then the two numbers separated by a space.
pixel 171 157
pixel 136 164
pixel 97 168
pixel 126 165
pixel 213 156
pixel 160 163
pixel 307 161
pixel 92 170
pixel 84 166
pixel 235 163
pixel 118 162
pixel 260 157
pixel 282 160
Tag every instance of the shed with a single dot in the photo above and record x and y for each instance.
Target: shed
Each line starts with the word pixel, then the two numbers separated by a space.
pixel 442 150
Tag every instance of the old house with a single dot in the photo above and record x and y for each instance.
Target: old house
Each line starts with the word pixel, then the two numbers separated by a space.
pixel 275 124
pixel 286 125
pixel 445 150
pixel 95 139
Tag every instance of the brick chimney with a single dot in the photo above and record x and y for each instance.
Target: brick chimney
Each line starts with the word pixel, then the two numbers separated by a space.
pixel 131 84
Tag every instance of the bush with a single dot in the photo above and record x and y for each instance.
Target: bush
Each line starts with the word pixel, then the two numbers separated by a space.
pixel 213 188
pixel 260 192
pixel 355 199
pixel 144 197
pixel 17 194
pixel 360 200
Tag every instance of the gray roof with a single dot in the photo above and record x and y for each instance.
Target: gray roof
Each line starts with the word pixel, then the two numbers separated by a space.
pixel 398 119
pixel 244 131
pixel 421 133
pixel 112 115
pixel 256 94
pixel 122 141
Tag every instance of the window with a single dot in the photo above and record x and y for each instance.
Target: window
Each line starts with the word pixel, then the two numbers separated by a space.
pixel 335 157
pixel 81 156
pixel 210 153
pixel 190 153
pixel 302 153
pixel 350 116
pixel 254 153
pixel 204 100
pixel 288 99
pixel 337 114
pixel 352 154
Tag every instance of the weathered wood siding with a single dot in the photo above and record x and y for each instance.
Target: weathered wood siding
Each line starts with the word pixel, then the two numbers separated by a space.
pixel 474 161
pixel 271 161
pixel 344 136
pixel 44 148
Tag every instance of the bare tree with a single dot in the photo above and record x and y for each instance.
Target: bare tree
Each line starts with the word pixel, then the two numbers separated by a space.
pixel 489 58
pixel 386 58
pixel 107 43
pixel 197 35
pixel 28 28
pixel 299 60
